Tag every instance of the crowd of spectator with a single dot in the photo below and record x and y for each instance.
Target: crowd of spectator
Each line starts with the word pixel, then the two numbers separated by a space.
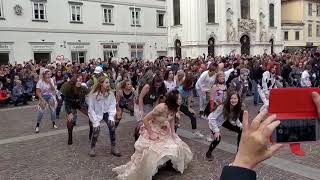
pixel 299 69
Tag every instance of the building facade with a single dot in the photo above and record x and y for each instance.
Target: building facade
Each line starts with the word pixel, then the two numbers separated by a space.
pixel 222 27
pixel 301 23
pixel 79 30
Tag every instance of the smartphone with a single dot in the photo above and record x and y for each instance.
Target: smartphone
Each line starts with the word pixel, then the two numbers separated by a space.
pixel 297 113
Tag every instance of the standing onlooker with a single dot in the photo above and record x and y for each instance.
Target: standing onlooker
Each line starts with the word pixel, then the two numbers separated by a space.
pixel 256 76
pixel 305 77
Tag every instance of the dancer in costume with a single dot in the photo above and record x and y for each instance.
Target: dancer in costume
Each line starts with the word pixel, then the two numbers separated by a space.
pixel 157 144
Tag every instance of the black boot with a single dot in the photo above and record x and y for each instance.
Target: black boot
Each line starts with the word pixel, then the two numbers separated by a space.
pixel 70 136
pixel 94 139
pixel 90 130
pixel 209 156
pixel 70 129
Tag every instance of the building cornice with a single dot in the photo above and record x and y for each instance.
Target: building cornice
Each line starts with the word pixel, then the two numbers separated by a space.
pixel 78 43
pixel 128 4
pixel 73 31
pixel 292 24
pixel 42 43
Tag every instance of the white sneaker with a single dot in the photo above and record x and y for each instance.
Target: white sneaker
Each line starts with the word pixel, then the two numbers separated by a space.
pixel 209 138
pixel 198 134
pixel 203 117
pixel 55 127
pixel 37 130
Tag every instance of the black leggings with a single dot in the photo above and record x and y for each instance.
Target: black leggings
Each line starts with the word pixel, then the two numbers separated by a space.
pixel 184 109
pixel 229 126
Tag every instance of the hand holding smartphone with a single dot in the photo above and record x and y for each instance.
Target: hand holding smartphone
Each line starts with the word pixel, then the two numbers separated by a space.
pixel 297 113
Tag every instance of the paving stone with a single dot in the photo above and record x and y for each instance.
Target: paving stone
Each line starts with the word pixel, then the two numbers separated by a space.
pixel 51 158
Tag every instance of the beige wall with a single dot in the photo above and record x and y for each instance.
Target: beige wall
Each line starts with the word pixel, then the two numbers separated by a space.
pixel 295 11
pixel 314 20
pixel 292 11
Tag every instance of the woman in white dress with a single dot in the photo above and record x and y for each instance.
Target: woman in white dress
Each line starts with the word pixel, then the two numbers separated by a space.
pixel 158 143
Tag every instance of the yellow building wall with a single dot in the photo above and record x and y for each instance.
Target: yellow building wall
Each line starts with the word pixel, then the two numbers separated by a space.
pixel 296 11
pixel 292 11
pixel 314 20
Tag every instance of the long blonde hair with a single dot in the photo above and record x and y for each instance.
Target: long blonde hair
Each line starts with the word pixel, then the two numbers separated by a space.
pixel 53 89
pixel 98 87
pixel 219 74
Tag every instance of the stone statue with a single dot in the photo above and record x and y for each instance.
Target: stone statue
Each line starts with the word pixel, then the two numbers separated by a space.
pixel 231 32
pixel 263 32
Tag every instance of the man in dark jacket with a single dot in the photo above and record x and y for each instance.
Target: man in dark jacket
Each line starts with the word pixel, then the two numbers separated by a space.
pixel 285 73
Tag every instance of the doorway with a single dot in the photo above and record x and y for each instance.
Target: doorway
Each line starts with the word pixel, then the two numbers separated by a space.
pixel 4 58
pixel 245 45
pixel 211 47
pixel 43 58
pixel 177 45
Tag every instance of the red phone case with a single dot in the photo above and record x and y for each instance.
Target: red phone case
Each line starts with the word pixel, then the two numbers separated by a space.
pixel 293 103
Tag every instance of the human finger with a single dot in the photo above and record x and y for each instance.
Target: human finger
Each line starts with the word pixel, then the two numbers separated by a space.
pixel 257 120
pixel 267 121
pixel 245 121
pixel 267 131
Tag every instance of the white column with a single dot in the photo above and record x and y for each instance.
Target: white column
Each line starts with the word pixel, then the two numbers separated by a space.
pixel 222 20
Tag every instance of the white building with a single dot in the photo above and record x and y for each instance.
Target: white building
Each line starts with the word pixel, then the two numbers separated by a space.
pixel 221 27
pixel 46 30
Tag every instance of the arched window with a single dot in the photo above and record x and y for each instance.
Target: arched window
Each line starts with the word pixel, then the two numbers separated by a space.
pixel 176 12
pixel 271 15
pixel 211 11
pixel 245 9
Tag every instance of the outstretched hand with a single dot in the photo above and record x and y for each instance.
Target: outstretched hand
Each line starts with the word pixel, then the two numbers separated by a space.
pixel 255 145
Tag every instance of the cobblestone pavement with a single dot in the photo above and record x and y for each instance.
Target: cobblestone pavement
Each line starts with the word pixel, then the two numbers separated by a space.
pixel 47 156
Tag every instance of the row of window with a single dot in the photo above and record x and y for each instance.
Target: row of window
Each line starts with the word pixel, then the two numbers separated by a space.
pixel 211 9
pixel 109 51
pixel 310 30
pixel 297 33
pixel 310 9
pixel 39 13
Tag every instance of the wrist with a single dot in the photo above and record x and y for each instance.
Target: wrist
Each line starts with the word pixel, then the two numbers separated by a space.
pixel 242 162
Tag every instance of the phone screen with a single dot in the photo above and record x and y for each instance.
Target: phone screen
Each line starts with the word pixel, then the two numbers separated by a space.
pixel 296 130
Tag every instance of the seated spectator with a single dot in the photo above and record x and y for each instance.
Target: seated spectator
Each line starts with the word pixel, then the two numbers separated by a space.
pixel 4 95
pixel 18 94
